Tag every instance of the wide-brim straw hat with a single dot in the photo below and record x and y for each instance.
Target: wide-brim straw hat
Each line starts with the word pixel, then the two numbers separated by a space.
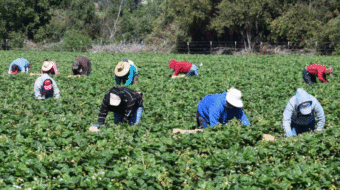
pixel 122 68
pixel 234 97
pixel 47 65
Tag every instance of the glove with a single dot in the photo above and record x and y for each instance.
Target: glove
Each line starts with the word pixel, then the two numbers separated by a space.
pixel 97 125
pixel 290 134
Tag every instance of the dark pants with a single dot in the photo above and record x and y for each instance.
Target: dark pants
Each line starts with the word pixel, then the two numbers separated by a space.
pixel 201 122
pixel 307 77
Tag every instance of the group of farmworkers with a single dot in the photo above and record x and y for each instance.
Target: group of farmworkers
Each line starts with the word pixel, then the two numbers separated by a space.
pixel 127 105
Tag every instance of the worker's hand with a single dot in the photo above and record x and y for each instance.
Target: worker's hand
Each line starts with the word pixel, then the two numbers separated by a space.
pixel 32 74
pixel 141 93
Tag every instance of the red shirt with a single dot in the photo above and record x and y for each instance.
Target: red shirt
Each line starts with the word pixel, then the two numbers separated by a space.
pixel 180 67
pixel 319 71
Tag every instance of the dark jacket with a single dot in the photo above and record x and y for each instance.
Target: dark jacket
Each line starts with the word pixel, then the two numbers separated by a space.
pixel 130 101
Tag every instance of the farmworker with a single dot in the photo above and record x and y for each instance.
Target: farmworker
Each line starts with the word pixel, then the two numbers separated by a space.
pixel 220 108
pixel 183 67
pixel 126 105
pixel 126 73
pixel 48 67
pixel 300 112
pixel 46 87
pixel 81 66
pixel 310 72
pixel 19 65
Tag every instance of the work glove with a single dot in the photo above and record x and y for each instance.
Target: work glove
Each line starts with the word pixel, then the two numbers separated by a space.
pixel 290 134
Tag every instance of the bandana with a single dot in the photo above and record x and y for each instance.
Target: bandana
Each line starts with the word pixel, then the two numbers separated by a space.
pixel 47 87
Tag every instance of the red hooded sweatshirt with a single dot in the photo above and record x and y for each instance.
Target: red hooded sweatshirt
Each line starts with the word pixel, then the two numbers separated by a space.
pixel 180 67
pixel 319 71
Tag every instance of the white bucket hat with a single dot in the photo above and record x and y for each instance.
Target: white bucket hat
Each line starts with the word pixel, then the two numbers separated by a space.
pixel 122 69
pixel 114 100
pixel 47 65
pixel 233 97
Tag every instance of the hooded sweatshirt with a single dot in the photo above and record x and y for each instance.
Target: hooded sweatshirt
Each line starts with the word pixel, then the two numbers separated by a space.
pixel 213 108
pixel 292 114
pixel 39 84
pixel 180 67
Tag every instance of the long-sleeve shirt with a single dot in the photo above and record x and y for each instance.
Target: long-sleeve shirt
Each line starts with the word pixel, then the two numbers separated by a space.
pixel 21 63
pixel 291 113
pixel 180 67
pixel 213 108
pixel 84 66
pixel 54 67
pixel 319 71
pixel 130 101
pixel 38 85
pixel 128 79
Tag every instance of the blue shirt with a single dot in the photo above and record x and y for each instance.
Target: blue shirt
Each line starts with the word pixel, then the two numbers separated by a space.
pixel 128 78
pixel 213 108
pixel 21 63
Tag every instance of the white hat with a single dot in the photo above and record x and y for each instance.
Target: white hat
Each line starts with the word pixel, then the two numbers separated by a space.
pixel 47 65
pixel 305 108
pixel 122 69
pixel 233 97
pixel 114 100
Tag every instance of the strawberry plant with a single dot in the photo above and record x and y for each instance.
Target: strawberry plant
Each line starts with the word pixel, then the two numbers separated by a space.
pixel 45 144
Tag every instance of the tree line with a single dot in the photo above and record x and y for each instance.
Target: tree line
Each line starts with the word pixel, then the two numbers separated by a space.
pixel 302 22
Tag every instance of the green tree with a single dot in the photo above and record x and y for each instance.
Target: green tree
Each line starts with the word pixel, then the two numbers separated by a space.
pixel 248 18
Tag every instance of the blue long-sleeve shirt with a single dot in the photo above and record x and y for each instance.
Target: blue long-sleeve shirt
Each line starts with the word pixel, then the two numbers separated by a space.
pixel 213 108
pixel 291 113
pixel 21 63
pixel 128 79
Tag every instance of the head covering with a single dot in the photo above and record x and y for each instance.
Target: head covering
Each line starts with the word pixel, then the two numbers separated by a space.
pixel 47 65
pixel 47 87
pixel 75 65
pixel 114 100
pixel 122 69
pixel 172 64
pixel 233 97
pixel 305 108
pixel 330 71
pixel 15 68
pixel 47 84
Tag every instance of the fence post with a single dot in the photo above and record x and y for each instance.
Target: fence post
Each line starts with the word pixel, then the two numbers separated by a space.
pixel 6 43
pixel 288 44
pixel 210 47
pixel 235 45
pixel 188 47
pixel 316 46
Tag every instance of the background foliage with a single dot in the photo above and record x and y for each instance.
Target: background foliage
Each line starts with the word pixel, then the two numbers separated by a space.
pixel 46 143
pixel 301 22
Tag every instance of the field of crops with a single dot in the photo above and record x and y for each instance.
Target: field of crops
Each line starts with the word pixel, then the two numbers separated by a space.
pixel 45 144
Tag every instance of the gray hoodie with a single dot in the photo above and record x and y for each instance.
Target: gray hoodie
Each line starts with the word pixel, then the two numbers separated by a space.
pixel 291 113
pixel 39 83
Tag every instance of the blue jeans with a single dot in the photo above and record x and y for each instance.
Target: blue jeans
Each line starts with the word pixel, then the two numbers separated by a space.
pixel 135 119
pixel 201 122
pixel 298 129
pixel 193 70
pixel 307 77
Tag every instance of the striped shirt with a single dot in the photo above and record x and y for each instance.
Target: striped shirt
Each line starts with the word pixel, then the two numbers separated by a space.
pixel 54 69
pixel 130 101
pixel 38 85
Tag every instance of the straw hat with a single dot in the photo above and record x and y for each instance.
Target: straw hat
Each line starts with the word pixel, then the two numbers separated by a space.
pixel 234 97
pixel 47 65
pixel 122 69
